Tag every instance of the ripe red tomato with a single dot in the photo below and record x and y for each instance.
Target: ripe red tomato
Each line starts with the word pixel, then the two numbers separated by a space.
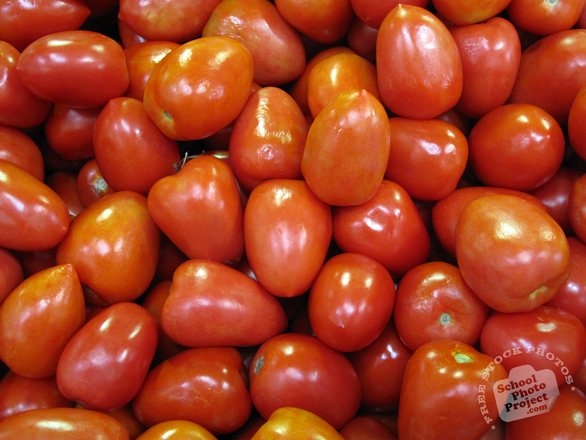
pixel 373 13
pixel 361 38
pixel 176 430
pixel 91 185
pixel 463 12
pixel 65 185
pixel 296 423
pixel 367 427
pixel 576 133
pixel 11 273
pixel 544 18
pixel 577 207
pixel 19 149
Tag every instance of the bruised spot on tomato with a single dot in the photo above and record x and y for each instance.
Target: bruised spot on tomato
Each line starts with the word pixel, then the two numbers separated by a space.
pixel 258 364
pixel 445 319
pixel 462 358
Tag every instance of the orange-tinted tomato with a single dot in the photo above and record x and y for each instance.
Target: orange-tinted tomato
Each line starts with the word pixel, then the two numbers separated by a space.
pixel 289 422
pixel 463 12
pixel 544 17
pixel 176 430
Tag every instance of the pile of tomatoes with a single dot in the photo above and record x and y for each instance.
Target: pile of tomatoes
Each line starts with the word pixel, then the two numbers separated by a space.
pixel 329 219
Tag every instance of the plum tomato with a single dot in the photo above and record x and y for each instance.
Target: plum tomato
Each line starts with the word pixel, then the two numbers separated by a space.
pixel 293 423
pixel 544 18
pixel 11 273
pixel 577 207
pixel 176 430
pixel 464 12
pixel 91 185
pixel 19 149
pixel 373 13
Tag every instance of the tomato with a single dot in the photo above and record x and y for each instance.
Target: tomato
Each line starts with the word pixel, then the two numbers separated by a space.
pixel 141 59
pixel 275 46
pixel 418 64
pixel 544 338
pixel 124 339
pixel 199 209
pixel 462 12
pixel 361 38
pixel 177 430
pixel 351 301
pixel 373 13
pixel 62 424
pixel 301 371
pixel 37 320
pixel 491 54
pixel 207 386
pixel 207 296
pixel 380 367
pixel 170 257
pixel 447 392
pixel 296 423
pixel 167 21
pixel 544 17
pixel 91 185
pixel 550 75
pixel 388 228
pixel 126 417
pixel 267 138
pixel 77 68
pixel 427 158
pixel 208 77
pixel 65 185
pixel 286 225
pixel 336 74
pixel 434 302
pixel 128 37
pixel 69 131
pixel 347 149
pixel 19 394
pixel 576 134
pixel 114 246
pixel 571 296
pixel 516 146
pixel 367 427
pixel 512 254
pixel 124 133
pixel 577 207
pixel 11 273
pixel 18 107
pixel 19 149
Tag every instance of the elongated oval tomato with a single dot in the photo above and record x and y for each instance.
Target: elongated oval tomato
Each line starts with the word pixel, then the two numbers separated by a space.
pixel 418 64
pixel 32 216
pixel 19 149
pixel 77 68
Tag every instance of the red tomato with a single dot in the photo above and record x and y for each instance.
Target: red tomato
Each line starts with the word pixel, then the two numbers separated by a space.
pixel 296 423
pixel 91 185
pixel 347 149
pixel 463 12
pixel 275 46
pixel 177 430
pixel 77 68
pixel 127 36
pixel 351 301
pixel 367 427
pixel 179 21
pixel 301 371
pixel 18 107
pixel 286 226
pixel 34 217
pixel 434 302
pixel 38 319
pixel 512 254
pixel 65 185
pixel 447 390
pixel 19 149
pixel 544 17
pixel 19 394
pixel 380 367
pixel 550 74
pixel 126 417
pixel 207 386
pixel 544 338
pixel 62 424
pixel 124 339
pixel 207 296
pixel 209 77
pixel 267 138
pixel 388 228
pixel 69 131
pixel 373 13
pixel 361 38
pixel 114 246
pixel 577 207
pixel 11 273
pixel 414 82
pixel 576 128
pixel 199 209
pixel 170 257
pixel 516 146
pixel 491 55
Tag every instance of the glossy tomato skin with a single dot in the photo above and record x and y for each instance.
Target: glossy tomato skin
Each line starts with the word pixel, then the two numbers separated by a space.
pixel 544 18
pixel 491 55
pixel 577 207
pixel 91 185
pixel 388 228
pixel 286 225
pixel 62 424
pixel 11 273
pixel 199 209
pixel 461 12
pixel 351 301
pixel 124 338
pixel 415 82
pixel 449 374
pixel 18 106
pixel 124 133
pixel 361 38
pixel 207 386
pixel 19 149
pixel 34 217
pixel 301 371
pixel 77 68
pixel 208 77
pixel 576 133
pixel 544 338
pixel 347 149
pixel 380 368
pixel 114 246
pixel 176 430
pixel 275 46
pixel 516 146
pixel 38 319
pixel 373 13
pixel 207 296
pixel 367 427
pixel 290 422
pixel 65 185
pixel 520 239
pixel 427 158
pixel 434 302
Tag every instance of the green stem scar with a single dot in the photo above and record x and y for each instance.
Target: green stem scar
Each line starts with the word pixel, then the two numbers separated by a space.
pixel 462 358
pixel 258 364
pixel 445 319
